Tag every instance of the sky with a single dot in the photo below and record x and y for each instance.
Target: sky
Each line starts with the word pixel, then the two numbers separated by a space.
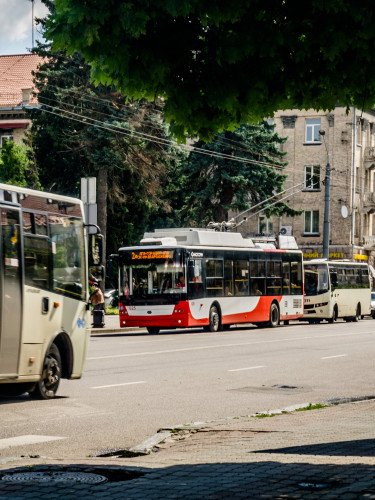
pixel 15 25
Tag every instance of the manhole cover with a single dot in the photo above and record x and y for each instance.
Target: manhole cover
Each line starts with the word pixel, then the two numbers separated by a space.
pixel 55 477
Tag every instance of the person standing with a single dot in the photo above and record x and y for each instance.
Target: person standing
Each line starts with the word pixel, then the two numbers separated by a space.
pixel 97 301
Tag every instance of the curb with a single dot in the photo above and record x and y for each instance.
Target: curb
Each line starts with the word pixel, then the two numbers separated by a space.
pixel 147 446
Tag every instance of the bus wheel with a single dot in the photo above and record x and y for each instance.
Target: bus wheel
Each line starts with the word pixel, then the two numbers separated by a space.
pixel 47 386
pixel 153 330
pixel 333 318
pixel 274 316
pixel 357 316
pixel 286 322
pixel 214 319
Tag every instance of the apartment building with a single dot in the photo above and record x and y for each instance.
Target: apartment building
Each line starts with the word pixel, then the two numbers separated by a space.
pixel 348 144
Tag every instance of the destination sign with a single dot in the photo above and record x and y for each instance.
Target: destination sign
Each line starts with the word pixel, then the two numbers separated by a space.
pixel 152 254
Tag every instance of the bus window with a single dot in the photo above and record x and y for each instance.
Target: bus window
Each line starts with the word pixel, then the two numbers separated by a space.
pixel 257 277
pixel 195 284
pixel 36 262
pixel 286 278
pixel 228 278
pixel 214 278
pixel 67 256
pixel 296 278
pixel 274 278
pixel 241 277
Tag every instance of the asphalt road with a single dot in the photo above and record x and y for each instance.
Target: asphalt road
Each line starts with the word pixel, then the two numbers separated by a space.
pixel 135 384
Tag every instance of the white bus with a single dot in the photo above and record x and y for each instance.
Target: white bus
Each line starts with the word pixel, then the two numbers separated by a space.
pixel 336 289
pixel 44 323
pixel 178 278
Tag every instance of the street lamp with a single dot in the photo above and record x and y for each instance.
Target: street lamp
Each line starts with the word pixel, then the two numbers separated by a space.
pixel 327 202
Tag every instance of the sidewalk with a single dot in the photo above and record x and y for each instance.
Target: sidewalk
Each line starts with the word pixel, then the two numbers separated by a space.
pixel 112 324
pixel 319 453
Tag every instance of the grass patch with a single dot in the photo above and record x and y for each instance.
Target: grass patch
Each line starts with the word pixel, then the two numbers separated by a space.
pixel 265 415
pixel 311 406
pixel 112 311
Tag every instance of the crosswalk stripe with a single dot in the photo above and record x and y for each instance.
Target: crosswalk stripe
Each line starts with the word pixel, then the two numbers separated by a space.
pixel 25 440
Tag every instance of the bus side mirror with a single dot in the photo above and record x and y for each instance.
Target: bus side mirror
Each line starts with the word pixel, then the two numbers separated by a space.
pixel 95 253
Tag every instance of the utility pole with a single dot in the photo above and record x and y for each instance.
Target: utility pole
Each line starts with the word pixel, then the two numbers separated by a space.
pixel 32 23
pixel 327 202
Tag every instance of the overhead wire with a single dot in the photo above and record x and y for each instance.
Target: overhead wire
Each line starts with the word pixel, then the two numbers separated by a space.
pixel 132 133
pixel 93 98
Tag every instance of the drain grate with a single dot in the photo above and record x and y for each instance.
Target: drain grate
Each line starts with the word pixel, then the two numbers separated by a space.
pixel 55 477
pixel 60 475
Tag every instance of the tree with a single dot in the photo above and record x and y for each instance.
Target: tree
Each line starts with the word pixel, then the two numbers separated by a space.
pixel 213 185
pixel 16 166
pixel 81 130
pixel 219 64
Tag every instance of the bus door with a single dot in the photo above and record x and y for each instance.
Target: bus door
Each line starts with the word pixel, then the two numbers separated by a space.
pixel 10 290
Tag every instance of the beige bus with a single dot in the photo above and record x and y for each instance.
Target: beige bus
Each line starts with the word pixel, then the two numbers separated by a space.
pixel 336 289
pixel 44 324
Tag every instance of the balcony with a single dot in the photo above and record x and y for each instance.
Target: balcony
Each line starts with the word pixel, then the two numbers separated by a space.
pixel 369 242
pixel 369 202
pixel 369 157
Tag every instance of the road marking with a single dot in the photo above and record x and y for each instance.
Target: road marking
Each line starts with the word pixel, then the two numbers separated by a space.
pixel 218 346
pixel 337 356
pixel 118 385
pixel 27 439
pixel 249 368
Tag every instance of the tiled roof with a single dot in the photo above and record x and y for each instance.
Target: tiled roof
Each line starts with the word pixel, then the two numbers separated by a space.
pixel 15 75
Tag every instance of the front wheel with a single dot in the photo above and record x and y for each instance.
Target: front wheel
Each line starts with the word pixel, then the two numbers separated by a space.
pixel 47 386
pixel 274 316
pixel 333 318
pixel 214 319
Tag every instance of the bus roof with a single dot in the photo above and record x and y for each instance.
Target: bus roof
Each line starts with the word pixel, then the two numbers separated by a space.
pixel 42 194
pixel 193 237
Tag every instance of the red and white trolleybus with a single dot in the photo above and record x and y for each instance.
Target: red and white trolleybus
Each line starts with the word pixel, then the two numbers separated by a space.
pixel 178 278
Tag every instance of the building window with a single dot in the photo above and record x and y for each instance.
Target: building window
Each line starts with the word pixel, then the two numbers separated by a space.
pixel 312 127
pixel 311 223
pixel 265 225
pixel 4 138
pixel 312 177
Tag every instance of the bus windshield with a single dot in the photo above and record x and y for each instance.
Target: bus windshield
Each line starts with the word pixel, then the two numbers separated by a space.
pixel 152 273
pixel 316 279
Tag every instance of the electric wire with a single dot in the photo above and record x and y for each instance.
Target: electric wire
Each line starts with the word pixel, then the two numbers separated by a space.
pixel 94 99
pixel 92 121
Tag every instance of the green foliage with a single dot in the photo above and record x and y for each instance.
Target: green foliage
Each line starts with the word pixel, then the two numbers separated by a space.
pixel 16 166
pixel 81 130
pixel 248 171
pixel 219 64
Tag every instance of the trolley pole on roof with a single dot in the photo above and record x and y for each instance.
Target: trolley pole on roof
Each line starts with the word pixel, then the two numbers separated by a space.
pixel 327 203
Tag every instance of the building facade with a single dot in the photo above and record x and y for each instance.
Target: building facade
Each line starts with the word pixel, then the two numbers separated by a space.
pixel 348 145
pixel 16 92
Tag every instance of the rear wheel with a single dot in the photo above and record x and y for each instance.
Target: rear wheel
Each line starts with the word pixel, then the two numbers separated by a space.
pixel 274 316
pixel 47 386
pixel 153 330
